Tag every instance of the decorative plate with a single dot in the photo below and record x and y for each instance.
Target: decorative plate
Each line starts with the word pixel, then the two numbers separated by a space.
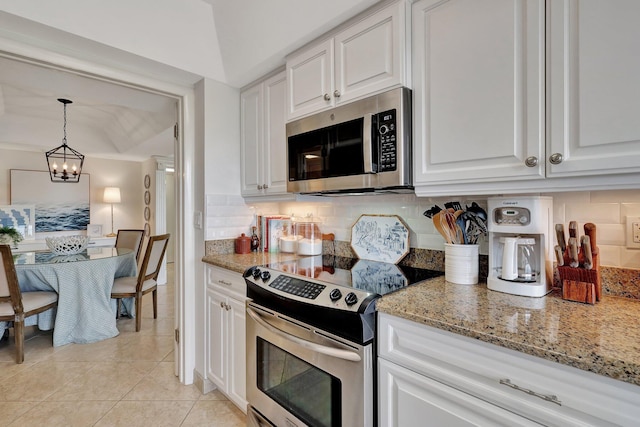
pixel 147 197
pixel 147 213
pixel 147 181
pixel 147 229
pixel 380 238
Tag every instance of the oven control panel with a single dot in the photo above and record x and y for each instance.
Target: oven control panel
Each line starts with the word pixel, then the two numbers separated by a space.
pixel 304 289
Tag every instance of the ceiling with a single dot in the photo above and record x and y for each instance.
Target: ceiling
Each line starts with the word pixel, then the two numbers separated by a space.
pixel 112 121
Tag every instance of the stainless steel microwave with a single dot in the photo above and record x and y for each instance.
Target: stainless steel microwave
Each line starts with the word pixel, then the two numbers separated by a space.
pixel 360 147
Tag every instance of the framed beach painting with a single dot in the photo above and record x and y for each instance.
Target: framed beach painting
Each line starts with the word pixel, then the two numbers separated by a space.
pixel 58 206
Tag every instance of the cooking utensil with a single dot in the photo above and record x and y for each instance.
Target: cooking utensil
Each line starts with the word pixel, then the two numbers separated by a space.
pixel 573 252
pixel 590 230
pixel 448 220
pixel 573 229
pixel 559 255
pixel 429 213
pixel 477 209
pixel 585 242
pixel 456 206
pixel 562 242
pixel 437 223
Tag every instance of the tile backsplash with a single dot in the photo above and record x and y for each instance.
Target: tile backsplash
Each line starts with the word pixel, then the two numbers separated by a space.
pixel 229 216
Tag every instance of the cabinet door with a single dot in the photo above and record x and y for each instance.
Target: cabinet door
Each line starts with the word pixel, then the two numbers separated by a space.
pixel 275 143
pixel 215 337
pixel 370 55
pixel 410 400
pixel 237 380
pixel 251 131
pixel 478 74
pixel 310 80
pixel 594 86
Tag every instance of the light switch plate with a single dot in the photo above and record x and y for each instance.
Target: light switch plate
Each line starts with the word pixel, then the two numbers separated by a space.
pixel 633 232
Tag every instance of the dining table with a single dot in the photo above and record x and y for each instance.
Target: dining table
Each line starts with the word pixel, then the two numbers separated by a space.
pixel 86 312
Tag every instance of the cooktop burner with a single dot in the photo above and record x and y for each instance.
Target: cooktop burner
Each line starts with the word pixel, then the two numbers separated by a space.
pixel 369 276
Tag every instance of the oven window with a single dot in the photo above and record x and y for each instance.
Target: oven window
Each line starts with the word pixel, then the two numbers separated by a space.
pixel 329 152
pixel 305 391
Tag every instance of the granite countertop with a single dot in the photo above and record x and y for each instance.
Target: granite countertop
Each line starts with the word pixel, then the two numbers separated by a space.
pixel 603 338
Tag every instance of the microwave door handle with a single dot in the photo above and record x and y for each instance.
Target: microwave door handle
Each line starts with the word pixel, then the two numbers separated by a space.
pixel 329 351
pixel 367 151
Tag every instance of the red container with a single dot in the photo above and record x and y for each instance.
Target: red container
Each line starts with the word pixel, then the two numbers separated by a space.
pixel 243 244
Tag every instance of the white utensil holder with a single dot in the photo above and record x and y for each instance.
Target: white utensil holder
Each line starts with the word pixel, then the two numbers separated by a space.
pixel 461 264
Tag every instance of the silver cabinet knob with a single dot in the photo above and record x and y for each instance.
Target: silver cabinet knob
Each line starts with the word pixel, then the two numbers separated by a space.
pixel 555 159
pixel 265 186
pixel 259 187
pixel 327 97
pixel 531 161
pixel 221 304
pixel 336 93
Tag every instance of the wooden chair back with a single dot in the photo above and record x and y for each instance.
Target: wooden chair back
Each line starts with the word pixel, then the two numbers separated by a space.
pixel 130 239
pixel 152 261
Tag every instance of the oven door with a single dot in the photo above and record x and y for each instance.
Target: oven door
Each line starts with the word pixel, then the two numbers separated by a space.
pixel 300 376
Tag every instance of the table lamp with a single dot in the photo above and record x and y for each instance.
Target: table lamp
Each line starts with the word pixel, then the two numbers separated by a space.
pixel 111 195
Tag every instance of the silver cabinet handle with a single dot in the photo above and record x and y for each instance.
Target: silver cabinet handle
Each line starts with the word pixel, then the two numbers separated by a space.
pixel 329 351
pixel 224 282
pixel 327 97
pixel 336 93
pixel 548 397
pixel 555 159
pixel 531 161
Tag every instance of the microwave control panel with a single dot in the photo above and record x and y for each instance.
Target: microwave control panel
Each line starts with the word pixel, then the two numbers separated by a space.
pixel 387 141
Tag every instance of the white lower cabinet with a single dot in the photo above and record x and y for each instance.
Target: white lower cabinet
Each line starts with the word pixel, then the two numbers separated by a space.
pixel 410 400
pixel 225 333
pixel 427 376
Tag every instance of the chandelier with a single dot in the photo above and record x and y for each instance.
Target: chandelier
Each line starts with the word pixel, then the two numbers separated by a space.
pixel 61 157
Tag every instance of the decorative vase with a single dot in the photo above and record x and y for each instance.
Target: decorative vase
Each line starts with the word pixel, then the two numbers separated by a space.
pixel 5 239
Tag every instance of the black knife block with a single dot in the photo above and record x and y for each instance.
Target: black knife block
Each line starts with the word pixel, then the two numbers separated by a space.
pixel 581 285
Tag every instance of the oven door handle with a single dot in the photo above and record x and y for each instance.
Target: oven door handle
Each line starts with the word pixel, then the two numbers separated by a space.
pixel 329 351
pixel 367 144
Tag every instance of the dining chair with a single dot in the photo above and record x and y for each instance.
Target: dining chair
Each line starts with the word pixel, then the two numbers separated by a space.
pixel 16 306
pixel 146 281
pixel 130 239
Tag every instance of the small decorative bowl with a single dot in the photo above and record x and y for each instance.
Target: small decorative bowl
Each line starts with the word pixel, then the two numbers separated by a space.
pixel 67 245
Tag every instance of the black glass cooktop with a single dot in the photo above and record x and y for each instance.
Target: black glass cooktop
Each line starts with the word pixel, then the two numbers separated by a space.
pixel 369 276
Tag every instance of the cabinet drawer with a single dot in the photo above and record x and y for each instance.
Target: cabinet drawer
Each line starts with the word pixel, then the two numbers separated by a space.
pixel 546 392
pixel 227 282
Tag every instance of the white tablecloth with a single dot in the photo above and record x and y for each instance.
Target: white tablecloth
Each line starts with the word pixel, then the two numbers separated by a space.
pixel 86 312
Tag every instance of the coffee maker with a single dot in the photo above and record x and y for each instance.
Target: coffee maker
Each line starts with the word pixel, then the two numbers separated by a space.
pixel 520 245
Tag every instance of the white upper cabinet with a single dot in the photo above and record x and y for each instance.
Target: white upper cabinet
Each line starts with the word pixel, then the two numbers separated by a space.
pixel 594 87
pixel 478 88
pixel 366 57
pixel 262 138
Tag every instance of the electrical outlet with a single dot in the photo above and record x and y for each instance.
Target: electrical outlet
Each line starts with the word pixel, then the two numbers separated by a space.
pixel 633 232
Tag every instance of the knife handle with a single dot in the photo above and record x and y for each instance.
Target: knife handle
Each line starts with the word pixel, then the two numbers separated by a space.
pixel 559 255
pixel 562 241
pixel 573 252
pixel 573 229
pixel 585 242
pixel 590 230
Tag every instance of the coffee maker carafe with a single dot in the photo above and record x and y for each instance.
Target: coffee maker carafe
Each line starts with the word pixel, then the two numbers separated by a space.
pixel 520 249
pixel 519 259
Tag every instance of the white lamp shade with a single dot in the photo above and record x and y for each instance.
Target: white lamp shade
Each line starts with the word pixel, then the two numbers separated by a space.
pixel 112 195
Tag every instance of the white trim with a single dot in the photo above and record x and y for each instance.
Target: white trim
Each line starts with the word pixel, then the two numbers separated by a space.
pixel 185 245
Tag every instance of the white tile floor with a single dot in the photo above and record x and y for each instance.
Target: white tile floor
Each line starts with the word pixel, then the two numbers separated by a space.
pixel 123 381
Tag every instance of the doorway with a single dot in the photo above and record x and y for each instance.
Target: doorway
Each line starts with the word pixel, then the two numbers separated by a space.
pixel 184 243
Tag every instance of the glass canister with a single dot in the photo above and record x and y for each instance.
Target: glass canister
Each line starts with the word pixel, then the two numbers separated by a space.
pixel 309 236
pixel 289 239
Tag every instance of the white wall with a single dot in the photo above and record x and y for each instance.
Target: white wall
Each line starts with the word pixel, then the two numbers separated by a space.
pixel 102 173
pixel 177 33
pixel 229 217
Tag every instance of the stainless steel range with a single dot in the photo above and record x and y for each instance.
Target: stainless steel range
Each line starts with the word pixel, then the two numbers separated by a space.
pixel 311 327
